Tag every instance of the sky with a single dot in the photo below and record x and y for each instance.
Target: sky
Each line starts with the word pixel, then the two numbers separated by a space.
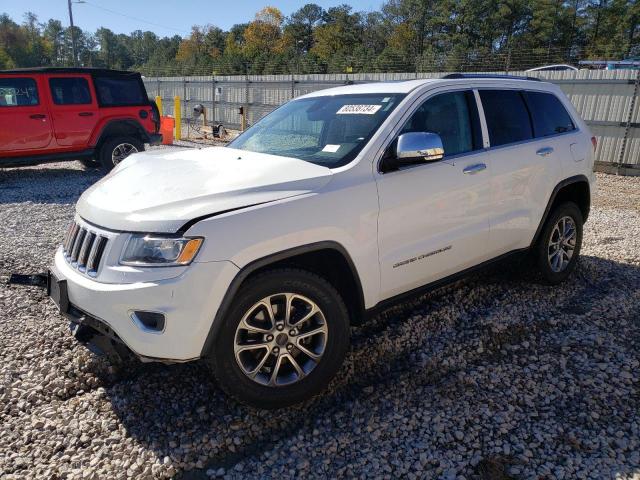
pixel 164 17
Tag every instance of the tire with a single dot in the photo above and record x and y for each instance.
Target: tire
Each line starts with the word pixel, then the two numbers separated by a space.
pixel 89 163
pixel 553 265
pixel 229 363
pixel 109 151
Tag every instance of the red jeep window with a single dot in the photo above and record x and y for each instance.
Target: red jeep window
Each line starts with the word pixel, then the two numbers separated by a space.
pixel 70 91
pixel 120 91
pixel 18 92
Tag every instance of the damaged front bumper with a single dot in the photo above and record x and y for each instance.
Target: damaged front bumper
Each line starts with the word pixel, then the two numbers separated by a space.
pixel 188 303
pixel 96 335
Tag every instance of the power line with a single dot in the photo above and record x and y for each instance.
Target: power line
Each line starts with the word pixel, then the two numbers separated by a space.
pixel 136 18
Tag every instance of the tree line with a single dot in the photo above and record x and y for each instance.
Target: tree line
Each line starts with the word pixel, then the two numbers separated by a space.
pixel 404 35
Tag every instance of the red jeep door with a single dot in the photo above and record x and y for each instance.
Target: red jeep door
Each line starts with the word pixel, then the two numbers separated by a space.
pixel 24 119
pixel 74 109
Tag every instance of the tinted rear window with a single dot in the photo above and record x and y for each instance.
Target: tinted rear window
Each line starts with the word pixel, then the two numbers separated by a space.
pixel 120 91
pixel 70 91
pixel 548 114
pixel 18 92
pixel 507 116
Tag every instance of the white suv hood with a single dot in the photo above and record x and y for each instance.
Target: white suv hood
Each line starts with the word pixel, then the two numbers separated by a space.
pixel 159 191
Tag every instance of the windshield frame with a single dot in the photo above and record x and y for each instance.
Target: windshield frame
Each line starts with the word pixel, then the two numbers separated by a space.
pixel 398 98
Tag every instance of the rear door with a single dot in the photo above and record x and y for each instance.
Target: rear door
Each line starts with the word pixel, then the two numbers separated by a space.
pixel 525 169
pixel 74 109
pixel 25 125
pixel 555 130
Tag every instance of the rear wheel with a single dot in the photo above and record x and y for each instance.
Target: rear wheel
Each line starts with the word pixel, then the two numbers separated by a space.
pixel 284 339
pixel 557 250
pixel 89 163
pixel 116 149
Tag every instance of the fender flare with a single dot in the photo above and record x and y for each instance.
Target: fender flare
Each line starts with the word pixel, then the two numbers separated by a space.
pixel 255 265
pixel 567 181
pixel 112 126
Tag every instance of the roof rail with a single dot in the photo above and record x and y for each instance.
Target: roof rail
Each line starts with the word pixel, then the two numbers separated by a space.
pixel 489 75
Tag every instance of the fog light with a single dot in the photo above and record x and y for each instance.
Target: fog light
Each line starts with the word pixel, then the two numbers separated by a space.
pixel 149 320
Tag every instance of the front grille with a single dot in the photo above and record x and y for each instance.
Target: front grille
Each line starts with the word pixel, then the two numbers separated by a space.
pixel 83 248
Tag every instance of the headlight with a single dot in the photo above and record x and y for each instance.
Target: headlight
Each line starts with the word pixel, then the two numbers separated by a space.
pixel 157 251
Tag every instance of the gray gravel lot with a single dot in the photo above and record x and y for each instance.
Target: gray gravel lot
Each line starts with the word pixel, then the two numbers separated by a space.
pixel 496 377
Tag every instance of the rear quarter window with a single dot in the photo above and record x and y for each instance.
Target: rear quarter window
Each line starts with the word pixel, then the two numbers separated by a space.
pixel 18 92
pixel 120 91
pixel 548 114
pixel 507 116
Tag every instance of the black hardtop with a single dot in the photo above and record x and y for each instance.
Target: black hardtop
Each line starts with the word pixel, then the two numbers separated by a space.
pixel 86 70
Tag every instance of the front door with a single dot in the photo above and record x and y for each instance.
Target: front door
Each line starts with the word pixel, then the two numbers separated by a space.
pixel 74 109
pixel 24 120
pixel 433 218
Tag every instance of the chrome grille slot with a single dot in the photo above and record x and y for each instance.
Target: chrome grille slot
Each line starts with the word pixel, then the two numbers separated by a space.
pixel 72 237
pixel 96 254
pixel 86 249
pixel 75 251
pixel 83 248
pixel 67 236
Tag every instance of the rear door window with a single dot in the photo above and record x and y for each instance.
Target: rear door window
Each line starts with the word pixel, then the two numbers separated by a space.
pixel 18 92
pixel 548 114
pixel 453 116
pixel 507 116
pixel 70 91
pixel 120 91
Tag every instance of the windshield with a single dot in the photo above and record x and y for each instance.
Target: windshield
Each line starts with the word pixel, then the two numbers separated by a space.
pixel 327 131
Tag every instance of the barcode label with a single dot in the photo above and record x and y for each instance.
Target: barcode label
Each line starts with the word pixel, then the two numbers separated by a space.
pixel 358 109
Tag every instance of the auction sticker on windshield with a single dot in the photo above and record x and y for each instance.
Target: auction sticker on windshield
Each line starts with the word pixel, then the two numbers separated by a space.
pixel 359 109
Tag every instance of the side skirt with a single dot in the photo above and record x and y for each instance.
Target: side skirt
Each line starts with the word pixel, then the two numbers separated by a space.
pixel 6 162
pixel 416 292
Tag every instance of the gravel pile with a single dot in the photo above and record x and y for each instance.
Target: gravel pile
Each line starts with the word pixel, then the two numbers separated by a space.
pixel 497 377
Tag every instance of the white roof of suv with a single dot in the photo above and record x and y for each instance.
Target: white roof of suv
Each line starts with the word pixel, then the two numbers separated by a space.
pixel 409 85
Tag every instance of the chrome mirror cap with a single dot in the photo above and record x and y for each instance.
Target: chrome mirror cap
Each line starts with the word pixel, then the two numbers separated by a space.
pixel 425 146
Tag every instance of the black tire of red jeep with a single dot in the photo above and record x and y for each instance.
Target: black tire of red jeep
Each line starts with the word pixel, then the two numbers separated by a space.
pixel 89 163
pixel 541 248
pixel 222 359
pixel 110 144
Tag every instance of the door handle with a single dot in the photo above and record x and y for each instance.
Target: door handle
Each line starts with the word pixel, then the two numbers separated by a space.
pixel 86 114
pixel 37 116
pixel 543 152
pixel 475 168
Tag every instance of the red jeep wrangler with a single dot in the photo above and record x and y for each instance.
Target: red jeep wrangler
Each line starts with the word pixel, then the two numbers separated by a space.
pixel 93 115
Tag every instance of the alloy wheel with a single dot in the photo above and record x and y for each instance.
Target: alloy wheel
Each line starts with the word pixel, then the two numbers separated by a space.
pixel 122 151
pixel 280 339
pixel 562 244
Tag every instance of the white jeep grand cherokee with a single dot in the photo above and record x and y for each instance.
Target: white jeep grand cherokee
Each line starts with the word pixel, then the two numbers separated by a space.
pixel 259 256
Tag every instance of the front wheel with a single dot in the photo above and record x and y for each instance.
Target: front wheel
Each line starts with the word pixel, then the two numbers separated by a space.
pixel 285 337
pixel 114 150
pixel 557 250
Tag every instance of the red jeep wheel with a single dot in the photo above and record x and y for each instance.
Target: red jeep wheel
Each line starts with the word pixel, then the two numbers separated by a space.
pixel 116 149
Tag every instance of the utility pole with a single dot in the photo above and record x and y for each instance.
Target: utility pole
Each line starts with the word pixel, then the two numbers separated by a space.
pixel 73 36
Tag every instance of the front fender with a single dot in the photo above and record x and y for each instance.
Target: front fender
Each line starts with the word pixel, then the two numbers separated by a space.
pixel 344 217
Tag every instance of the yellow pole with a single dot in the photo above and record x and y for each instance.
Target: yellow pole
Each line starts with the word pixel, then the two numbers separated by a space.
pixel 177 114
pixel 159 104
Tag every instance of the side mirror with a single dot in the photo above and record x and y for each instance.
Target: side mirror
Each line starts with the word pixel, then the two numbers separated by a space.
pixel 419 146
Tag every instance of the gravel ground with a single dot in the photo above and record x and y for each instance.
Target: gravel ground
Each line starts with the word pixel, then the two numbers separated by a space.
pixel 497 377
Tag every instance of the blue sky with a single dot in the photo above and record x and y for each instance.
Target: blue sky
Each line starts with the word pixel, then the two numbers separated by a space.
pixel 164 17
